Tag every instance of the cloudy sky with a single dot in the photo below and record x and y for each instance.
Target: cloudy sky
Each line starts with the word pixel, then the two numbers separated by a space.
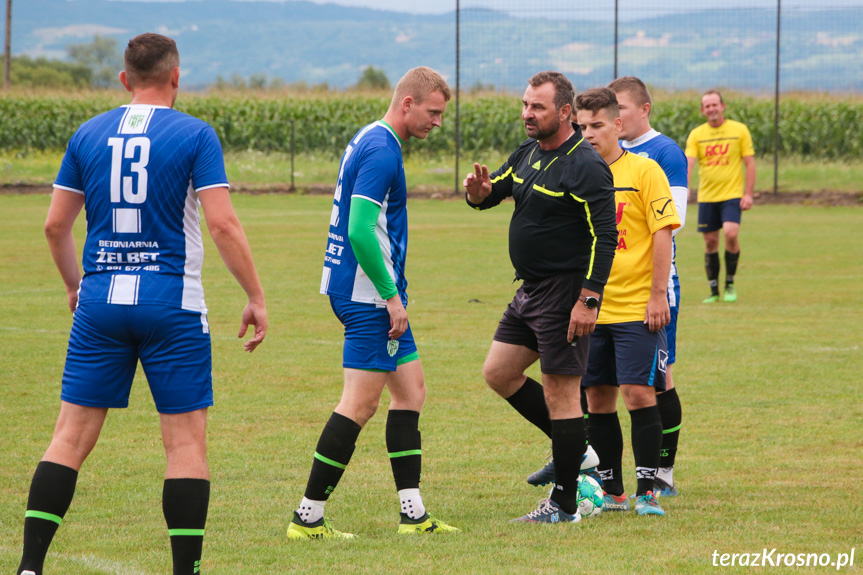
pixel 603 6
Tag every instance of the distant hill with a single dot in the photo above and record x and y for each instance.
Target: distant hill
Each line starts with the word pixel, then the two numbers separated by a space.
pixel 306 42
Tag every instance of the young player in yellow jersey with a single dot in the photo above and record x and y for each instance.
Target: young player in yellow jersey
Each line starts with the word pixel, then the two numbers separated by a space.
pixel 627 349
pixel 721 147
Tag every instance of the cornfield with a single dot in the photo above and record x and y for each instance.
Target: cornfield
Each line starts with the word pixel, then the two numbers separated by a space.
pixel 809 127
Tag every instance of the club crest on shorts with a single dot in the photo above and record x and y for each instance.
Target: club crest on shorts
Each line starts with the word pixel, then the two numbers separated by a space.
pixel 663 361
pixel 392 347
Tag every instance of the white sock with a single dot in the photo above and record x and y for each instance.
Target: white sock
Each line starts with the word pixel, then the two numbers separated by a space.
pixel 666 474
pixel 311 510
pixel 412 503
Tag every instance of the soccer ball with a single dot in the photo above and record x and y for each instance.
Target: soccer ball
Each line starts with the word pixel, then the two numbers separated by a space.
pixel 589 496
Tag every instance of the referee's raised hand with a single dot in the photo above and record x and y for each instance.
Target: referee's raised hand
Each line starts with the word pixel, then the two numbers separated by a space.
pixel 478 184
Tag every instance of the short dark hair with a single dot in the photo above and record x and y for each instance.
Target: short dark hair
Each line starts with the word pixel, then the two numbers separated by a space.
pixel 597 99
pixel 634 86
pixel 709 92
pixel 149 59
pixel 564 93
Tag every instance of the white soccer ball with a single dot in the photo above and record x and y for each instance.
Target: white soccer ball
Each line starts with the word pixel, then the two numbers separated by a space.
pixel 590 496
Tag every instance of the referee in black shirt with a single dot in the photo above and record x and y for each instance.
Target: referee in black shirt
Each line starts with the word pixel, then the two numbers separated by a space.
pixel 562 240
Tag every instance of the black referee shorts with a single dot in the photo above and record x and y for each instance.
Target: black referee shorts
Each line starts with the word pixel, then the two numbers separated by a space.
pixel 538 318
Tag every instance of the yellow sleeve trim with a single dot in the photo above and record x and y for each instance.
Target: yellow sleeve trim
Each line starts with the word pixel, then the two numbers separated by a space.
pixel 592 233
pixel 503 176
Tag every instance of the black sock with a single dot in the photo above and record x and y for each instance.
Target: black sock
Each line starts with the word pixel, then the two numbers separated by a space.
pixel 51 492
pixel 730 267
pixel 529 401
pixel 646 443
pixel 404 446
pixel 584 402
pixel 671 415
pixel 332 455
pixel 603 431
pixel 567 447
pixel 184 503
pixel 711 266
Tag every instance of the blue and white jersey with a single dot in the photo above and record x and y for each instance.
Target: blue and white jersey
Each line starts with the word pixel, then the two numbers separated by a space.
pixel 140 169
pixel 665 152
pixel 372 169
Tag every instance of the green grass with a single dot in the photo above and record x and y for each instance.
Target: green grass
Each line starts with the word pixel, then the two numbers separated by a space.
pixel 262 171
pixel 770 445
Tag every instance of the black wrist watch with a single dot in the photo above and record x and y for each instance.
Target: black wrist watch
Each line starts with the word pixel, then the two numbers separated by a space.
pixel 589 302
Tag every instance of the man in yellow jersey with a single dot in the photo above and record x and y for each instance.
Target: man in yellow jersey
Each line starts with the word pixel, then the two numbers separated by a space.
pixel 628 349
pixel 720 146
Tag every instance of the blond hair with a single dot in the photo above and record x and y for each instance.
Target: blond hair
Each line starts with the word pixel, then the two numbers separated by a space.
pixel 634 86
pixel 419 83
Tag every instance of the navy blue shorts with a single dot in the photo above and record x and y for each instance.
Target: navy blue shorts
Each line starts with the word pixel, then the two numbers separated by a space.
pixel 626 353
pixel 107 340
pixel 711 215
pixel 367 342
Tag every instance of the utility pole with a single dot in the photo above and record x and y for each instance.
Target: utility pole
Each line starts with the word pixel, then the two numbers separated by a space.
pixel 7 72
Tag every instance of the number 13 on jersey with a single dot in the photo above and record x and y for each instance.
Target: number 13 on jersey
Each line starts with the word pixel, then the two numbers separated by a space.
pixel 122 149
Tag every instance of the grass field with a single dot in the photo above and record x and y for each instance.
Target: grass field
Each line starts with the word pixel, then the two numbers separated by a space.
pixel 259 170
pixel 770 448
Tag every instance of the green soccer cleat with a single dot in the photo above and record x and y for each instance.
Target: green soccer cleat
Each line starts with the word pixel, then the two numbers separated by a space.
pixel 426 524
pixel 712 299
pixel 320 529
pixel 647 505
pixel 730 294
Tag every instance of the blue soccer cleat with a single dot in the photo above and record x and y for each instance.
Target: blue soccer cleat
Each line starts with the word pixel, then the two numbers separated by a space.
pixel 548 512
pixel 647 505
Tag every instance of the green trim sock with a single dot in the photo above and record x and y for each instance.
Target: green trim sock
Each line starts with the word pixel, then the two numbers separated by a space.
pixel 404 446
pixel 646 443
pixel 606 437
pixel 529 401
pixel 711 266
pixel 671 415
pixel 332 455
pixel 51 492
pixel 184 503
pixel 731 260
pixel 568 443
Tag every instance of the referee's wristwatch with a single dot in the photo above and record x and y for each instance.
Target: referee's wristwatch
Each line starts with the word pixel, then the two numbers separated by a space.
pixel 589 302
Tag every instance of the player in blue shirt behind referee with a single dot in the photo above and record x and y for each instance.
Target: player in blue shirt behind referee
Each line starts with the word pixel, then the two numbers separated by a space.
pixel 364 277
pixel 140 172
pixel 638 137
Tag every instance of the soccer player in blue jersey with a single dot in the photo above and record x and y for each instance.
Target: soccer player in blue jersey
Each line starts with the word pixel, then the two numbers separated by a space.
pixel 640 138
pixel 140 171
pixel 364 278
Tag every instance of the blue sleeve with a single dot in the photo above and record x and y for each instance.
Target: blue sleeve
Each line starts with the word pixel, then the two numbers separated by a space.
pixel 378 169
pixel 208 167
pixel 673 163
pixel 69 177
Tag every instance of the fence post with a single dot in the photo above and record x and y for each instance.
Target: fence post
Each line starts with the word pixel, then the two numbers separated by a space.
pixel 776 103
pixel 293 121
pixel 615 39
pixel 457 90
